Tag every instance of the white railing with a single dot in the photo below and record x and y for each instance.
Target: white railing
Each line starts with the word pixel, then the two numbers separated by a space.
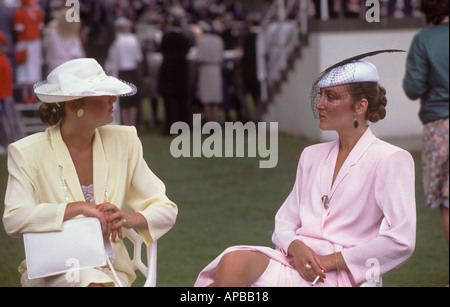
pixel 324 13
pixel 279 37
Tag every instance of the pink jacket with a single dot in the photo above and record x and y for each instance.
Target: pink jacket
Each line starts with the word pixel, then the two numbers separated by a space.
pixel 375 184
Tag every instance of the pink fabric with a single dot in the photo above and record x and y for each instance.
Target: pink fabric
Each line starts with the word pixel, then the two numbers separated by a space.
pixel 375 182
pixel 279 272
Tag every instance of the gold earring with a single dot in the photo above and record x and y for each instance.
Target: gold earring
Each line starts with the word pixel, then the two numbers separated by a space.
pixel 80 113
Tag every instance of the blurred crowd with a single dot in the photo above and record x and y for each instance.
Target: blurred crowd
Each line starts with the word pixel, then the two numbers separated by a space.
pixel 171 50
pixel 357 8
pixel 193 55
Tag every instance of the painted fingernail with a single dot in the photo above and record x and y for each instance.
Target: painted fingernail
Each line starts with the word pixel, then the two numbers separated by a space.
pixel 108 219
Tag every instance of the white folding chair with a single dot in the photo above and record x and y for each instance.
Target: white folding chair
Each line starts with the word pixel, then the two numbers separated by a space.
pixel 149 270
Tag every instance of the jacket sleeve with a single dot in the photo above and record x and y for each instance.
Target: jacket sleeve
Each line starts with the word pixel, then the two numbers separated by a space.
pixel 395 195
pixel 23 212
pixel 415 79
pixel 287 219
pixel 147 195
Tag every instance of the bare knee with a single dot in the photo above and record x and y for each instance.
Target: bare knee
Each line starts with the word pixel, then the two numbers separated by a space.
pixel 234 258
pixel 240 268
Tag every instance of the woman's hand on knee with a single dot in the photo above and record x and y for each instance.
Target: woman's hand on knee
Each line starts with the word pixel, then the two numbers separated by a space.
pixel 307 263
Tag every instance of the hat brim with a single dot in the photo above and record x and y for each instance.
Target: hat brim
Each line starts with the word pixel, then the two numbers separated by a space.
pixel 111 86
pixel 56 98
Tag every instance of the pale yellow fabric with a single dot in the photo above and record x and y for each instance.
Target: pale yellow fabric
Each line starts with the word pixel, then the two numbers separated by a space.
pixel 35 199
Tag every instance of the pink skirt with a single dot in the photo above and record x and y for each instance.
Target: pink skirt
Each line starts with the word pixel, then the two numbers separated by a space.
pixel 279 273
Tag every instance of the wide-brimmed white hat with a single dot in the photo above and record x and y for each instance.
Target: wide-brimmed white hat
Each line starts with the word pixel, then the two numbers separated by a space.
pixel 80 78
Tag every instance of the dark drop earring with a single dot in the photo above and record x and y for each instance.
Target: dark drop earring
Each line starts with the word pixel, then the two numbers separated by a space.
pixel 355 123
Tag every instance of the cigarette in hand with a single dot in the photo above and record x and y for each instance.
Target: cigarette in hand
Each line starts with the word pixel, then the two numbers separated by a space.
pixel 316 280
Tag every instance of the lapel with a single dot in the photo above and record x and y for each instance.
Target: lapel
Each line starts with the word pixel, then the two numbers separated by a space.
pixel 63 158
pixel 100 169
pixel 330 163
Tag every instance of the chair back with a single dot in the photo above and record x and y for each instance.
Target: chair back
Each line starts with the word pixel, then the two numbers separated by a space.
pixel 149 269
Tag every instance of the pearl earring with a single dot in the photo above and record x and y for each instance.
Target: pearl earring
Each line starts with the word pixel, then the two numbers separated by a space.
pixel 80 113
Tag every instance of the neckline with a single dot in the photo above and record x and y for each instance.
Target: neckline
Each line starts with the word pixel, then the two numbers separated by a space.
pixel 327 184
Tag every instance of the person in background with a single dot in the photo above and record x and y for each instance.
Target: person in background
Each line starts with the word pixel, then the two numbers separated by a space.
pixel 126 56
pixel 210 49
pixel 6 73
pixel 6 92
pixel 28 25
pixel 173 79
pixel 62 41
pixel 253 64
pixel 427 78
pixel 150 34
pixel 407 8
pixel 233 83
pixel 98 32
pixel 6 25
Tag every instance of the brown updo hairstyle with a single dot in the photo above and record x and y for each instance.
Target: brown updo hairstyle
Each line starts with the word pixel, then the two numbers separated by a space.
pixel 52 113
pixel 434 10
pixel 375 95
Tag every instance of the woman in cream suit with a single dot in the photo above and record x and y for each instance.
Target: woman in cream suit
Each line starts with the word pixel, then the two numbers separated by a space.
pixel 328 231
pixel 96 167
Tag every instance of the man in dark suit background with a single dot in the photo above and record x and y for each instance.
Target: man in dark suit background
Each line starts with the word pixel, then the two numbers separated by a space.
pixel 174 83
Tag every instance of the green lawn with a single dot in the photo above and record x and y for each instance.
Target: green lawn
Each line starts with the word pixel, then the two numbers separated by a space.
pixel 230 201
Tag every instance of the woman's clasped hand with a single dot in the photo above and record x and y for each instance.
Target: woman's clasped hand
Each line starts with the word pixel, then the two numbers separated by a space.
pixel 115 219
pixel 111 218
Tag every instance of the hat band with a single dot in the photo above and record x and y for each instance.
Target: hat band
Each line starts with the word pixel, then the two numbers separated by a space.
pixel 88 79
pixel 91 77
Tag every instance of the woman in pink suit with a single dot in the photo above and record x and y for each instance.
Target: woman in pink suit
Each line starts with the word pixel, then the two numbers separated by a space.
pixel 329 230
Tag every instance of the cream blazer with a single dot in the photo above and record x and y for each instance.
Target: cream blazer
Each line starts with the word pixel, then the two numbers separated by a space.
pixel 35 198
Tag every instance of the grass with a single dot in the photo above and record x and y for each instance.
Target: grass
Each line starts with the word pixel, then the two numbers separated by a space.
pixel 231 201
